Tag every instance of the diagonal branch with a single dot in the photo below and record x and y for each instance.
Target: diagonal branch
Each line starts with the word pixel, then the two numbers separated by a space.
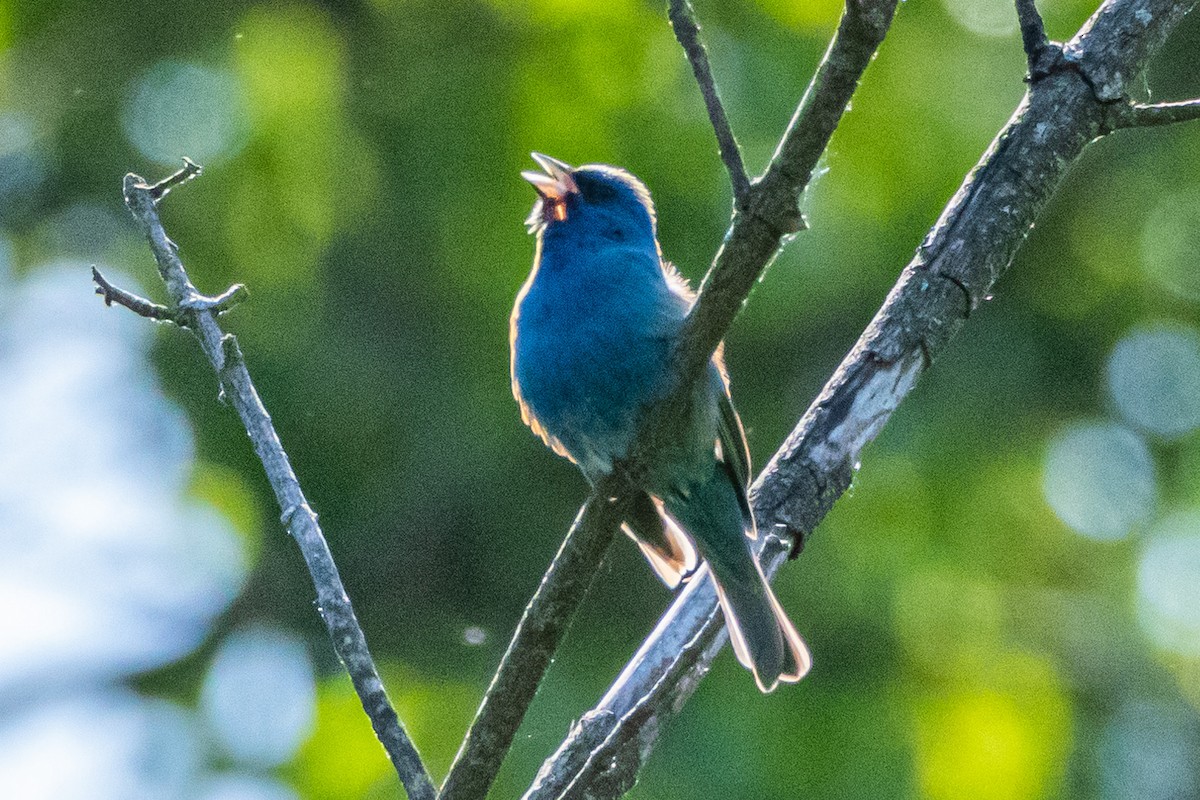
pixel 540 631
pixel 687 31
pixel 965 253
pixel 199 314
pixel 771 212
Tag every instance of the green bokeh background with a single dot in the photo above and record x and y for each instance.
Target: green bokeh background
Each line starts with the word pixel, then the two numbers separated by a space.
pixel 967 643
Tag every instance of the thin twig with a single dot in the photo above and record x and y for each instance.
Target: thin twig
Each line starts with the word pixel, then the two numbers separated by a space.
pixel 687 31
pixel 1144 115
pixel 138 305
pixel 223 352
pixel 217 304
pixel 220 303
pixel 190 170
pixel 968 249
pixel 754 238
pixel 773 210
pixel 1033 37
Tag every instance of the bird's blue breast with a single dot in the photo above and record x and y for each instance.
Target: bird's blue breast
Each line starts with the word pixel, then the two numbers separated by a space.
pixel 593 332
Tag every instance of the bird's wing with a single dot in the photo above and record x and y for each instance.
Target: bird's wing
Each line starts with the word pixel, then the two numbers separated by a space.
pixel 731 447
pixel 734 454
pixel 669 550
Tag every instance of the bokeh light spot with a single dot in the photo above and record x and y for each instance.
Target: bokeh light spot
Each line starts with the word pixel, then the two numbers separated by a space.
pixel 342 758
pixel 84 230
pixel 1099 479
pixel 257 727
pixel 22 166
pixel 290 60
pixel 1168 583
pixel 1147 751
pixel 222 488
pixel 103 746
pixel 128 573
pixel 1170 242
pixel 181 109
pixel 304 151
pixel 1154 379
pixel 244 787
pixel 1004 739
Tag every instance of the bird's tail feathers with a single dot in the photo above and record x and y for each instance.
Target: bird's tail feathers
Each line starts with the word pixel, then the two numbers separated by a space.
pixel 763 637
pixel 797 660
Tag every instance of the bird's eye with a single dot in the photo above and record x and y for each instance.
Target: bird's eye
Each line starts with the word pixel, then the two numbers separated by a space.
pixel 594 191
pixel 601 193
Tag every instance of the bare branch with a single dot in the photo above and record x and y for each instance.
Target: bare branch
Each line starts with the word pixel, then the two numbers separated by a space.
pixel 220 303
pixel 966 251
pixel 1033 37
pixel 1118 36
pixel 1145 115
pixel 771 212
pixel 138 305
pixel 190 170
pixel 687 31
pixel 199 313
pixel 537 637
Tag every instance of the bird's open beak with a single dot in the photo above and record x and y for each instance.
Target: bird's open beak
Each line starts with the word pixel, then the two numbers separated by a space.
pixel 555 183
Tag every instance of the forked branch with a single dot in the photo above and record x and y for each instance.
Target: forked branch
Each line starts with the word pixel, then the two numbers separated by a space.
pixel 770 211
pixel 965 253
pixel 687 31
pixel 199 314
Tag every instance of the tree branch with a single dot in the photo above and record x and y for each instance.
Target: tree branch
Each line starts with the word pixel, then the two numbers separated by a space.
pixel 771 212
pixel 966 251
pixel 199 314
pixel 1034 40
pixel 1144 115
pixel 541 629
pixel 220 303
pixel 190 170
pixel 135 303
pixel 687 31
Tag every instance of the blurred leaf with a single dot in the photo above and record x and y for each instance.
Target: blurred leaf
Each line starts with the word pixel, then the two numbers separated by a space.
pixel 821 15
pixel 1002 738
pixel 342 759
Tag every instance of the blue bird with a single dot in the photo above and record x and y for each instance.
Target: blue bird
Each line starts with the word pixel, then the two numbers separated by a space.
pixel 592 336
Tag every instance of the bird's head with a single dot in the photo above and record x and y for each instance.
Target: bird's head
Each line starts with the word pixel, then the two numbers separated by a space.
pixel 594 200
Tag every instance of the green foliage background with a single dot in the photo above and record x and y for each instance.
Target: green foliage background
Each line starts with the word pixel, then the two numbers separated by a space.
pixel 967 643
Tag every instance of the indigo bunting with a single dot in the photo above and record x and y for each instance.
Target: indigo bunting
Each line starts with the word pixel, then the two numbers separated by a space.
pixel 591 339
